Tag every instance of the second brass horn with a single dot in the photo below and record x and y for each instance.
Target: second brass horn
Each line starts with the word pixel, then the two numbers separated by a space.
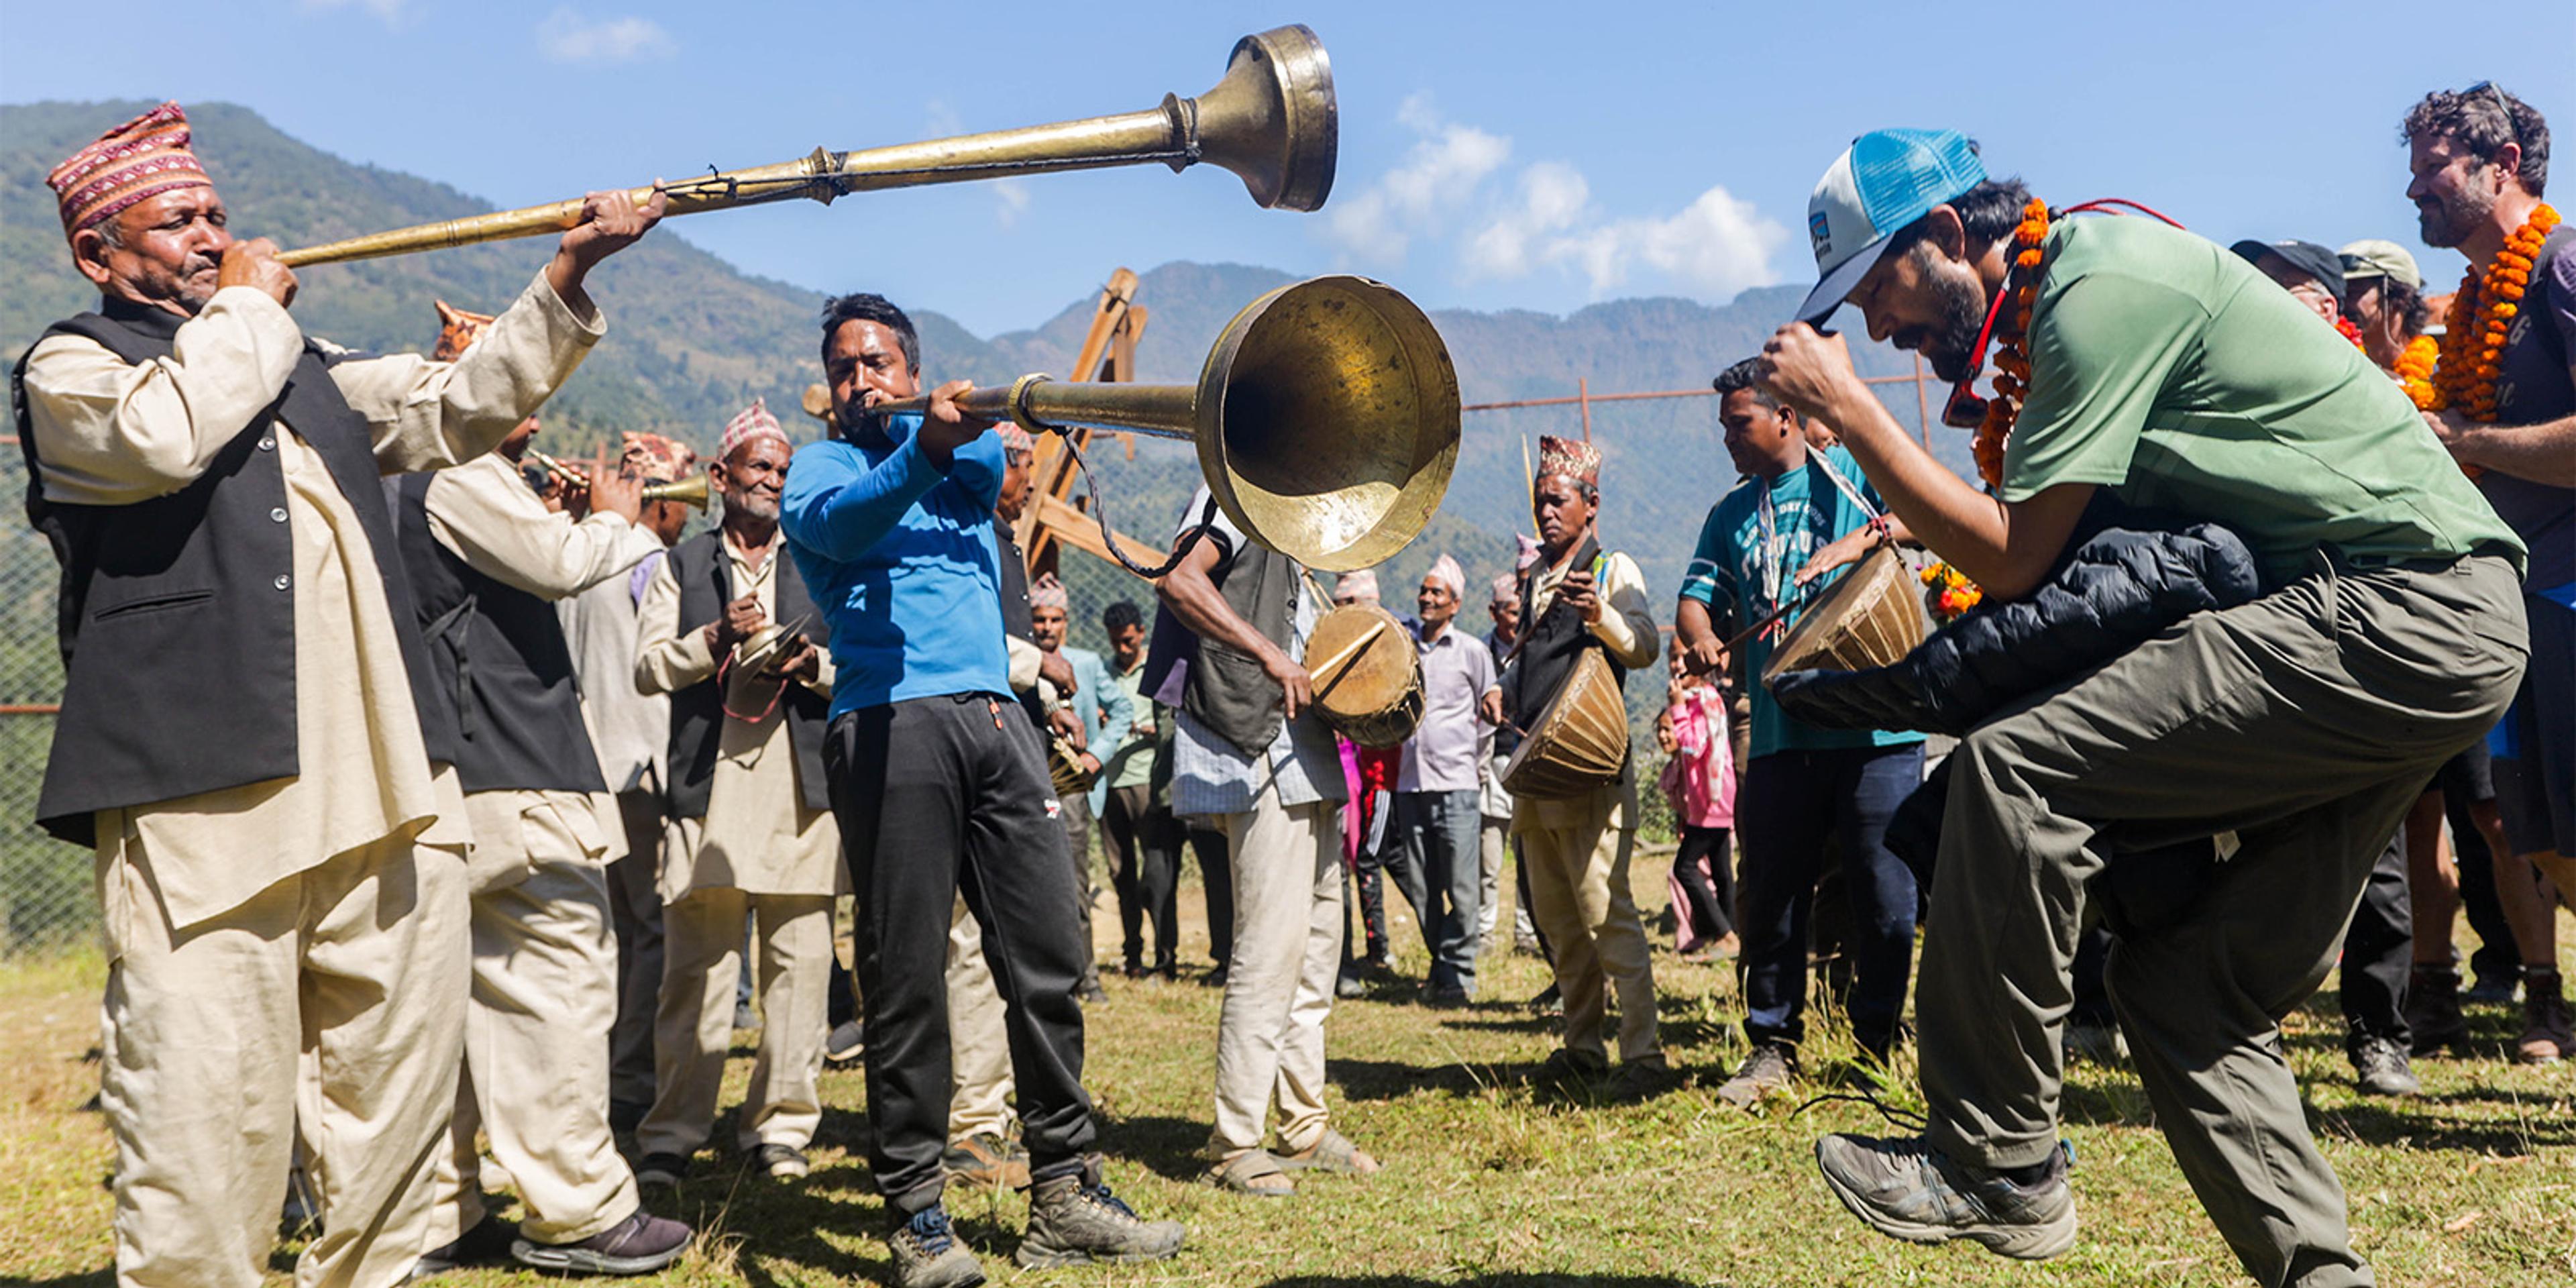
pixel 690 491
pixel 1272 121
pixel 1326 419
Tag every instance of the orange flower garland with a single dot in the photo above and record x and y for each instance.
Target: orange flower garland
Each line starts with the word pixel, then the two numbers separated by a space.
pixel 2415 371
pixel 2345 328
pixel 1957 593
pixel 2012 361
pixel 2482 312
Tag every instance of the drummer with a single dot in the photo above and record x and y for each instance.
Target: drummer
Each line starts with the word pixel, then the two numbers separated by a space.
pixel 1581 597
pixel 1802 785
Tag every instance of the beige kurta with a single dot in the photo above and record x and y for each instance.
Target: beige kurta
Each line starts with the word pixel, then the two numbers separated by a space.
pixel 483 513
pixel 1627 628
pixel 757 836
pixel 113 433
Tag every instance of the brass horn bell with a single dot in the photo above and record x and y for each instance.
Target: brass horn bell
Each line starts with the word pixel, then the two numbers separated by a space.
pixel 690 491
pixel 1326 419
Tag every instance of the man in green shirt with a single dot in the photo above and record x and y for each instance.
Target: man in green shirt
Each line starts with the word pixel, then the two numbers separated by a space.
pixel 2169 371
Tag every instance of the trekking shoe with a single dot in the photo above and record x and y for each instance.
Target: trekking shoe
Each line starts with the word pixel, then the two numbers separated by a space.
pixel 2380 1069
pixel 2491 990
pixel 638 1245
pixel 988 1161
pixel 488 1243
pixel 782 1162
pixel 1075 1219
pixel 663 1170
pixel 2433 1008
pixel 1770 1068
pixel 1905 1189
pixel 928 1255
pixel 1347 986
pixel 2547 1033
pixel 846 1045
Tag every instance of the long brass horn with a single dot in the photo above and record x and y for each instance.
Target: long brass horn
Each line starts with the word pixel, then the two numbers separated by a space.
pixel 1326 419
pixel 1271 120
pixel 690 491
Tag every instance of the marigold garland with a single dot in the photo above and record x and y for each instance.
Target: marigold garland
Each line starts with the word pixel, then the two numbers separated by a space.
pixel 2482 312
pixel 2012 361
pixel 2415 371
pixel 1956 594
pixel 2345 328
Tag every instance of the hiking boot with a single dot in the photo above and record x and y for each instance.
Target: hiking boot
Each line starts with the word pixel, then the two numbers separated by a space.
pixel 638 1245
pixel 2491 990
pixel 845 1045
pixel 1075 1219
pixel 2379 1068
pixel 988 1161
pixel 2547 1034
pixel 2433 1008
pixel 928 1255
pixel 1770 1068
pixel 1905 1189
pixel 781 1162
pixel 663 1170
pixel 488 1243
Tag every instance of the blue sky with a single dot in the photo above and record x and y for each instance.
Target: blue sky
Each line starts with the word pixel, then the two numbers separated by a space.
pixel 1497 155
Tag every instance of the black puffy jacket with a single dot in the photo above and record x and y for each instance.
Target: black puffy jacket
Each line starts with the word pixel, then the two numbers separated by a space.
pixel 2121 586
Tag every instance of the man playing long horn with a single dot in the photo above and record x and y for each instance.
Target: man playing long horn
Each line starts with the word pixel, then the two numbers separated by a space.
pixel 245 735
pixel 1582 598
pixel 2155 365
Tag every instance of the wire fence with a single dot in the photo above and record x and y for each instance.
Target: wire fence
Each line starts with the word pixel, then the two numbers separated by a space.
pixel 45 885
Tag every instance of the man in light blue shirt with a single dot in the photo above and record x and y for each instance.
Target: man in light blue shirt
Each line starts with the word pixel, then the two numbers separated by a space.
pixel 933 771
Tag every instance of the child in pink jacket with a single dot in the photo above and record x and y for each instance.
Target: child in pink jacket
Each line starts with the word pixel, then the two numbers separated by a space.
pixel 1699 780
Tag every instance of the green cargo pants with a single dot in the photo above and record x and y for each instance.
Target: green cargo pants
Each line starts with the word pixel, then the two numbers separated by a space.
pixel 2305 723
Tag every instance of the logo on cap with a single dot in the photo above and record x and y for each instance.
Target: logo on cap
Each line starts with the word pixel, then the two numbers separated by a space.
pixel 1820 231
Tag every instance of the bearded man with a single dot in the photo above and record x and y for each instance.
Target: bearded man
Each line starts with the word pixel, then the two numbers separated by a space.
pixel 2158 366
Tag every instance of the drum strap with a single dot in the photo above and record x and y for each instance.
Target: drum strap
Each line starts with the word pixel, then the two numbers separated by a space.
pixel 1771 557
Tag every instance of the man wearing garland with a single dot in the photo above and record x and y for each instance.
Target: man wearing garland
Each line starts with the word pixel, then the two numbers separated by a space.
pixel 1803 786
pixel 1583 598
pixel 2146 361
pixel 2505 405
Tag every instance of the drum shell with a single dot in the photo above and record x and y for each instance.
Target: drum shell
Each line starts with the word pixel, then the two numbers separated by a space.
pixel 1580 742
pixel 1872 617
pixel 1376 699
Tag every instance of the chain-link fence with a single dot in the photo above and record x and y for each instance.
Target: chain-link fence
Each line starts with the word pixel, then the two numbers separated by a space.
pixel 45 898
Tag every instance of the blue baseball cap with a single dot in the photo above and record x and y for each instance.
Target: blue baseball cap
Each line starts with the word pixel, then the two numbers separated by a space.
pixel 1884 181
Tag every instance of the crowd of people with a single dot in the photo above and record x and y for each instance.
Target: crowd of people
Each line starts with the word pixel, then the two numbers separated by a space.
pixel 511 792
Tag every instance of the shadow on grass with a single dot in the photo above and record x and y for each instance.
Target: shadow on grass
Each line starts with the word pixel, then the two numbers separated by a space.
pixel 1483 1281
pixel 2372 1123
pixel 791 1218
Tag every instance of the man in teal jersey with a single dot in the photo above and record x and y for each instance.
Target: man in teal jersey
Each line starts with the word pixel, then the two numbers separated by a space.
pixel 2303 723
pixel 1802 784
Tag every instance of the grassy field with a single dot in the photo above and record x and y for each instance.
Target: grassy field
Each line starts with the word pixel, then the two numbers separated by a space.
pixel 1486 1182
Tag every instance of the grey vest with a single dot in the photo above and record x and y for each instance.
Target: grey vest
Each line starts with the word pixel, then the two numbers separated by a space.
pixel 176 615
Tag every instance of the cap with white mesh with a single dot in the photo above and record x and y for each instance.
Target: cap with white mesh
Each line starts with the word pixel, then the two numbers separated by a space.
pixel 1884 181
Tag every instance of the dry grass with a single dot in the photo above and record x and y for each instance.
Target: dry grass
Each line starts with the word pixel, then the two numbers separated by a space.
pixel 2474 1184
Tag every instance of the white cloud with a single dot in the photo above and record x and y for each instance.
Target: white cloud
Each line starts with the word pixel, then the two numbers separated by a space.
pixel 391 11
pixel 1715 246
pixel 1010 200
pixel 1544 218
pixel 568 37
pixel 1442 168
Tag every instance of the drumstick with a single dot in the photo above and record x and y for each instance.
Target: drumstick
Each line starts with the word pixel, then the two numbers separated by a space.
pixel 1348 653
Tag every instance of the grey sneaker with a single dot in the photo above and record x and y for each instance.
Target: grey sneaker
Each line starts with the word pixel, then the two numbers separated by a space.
pixel 664 1171
pixel 928 1255
pixel 1767 1070
pixel 783 1162
pixel 1075 1219
pixel 845 1044
pixel 1905 1189
pixel 638 1245
pixel 2380 1069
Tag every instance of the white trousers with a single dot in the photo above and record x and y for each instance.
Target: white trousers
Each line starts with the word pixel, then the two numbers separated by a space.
pixel 693 1027
pixel 1279 987
pixel 979 1044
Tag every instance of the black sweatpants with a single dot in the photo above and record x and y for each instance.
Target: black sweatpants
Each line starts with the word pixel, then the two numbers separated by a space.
pixel 2378 953
pixel 961 812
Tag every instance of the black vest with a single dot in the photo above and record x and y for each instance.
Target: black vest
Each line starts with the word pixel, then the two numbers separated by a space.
pixel 176 615
pixel 499 655
pixel 1549 647
pixel 704 574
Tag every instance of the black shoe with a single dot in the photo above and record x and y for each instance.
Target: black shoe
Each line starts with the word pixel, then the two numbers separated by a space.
pixel 1215 978
pixel 1643 1079
pixel 2433 1015
pixel 845 1045
pixel 664 1170
pixel 2497 991
pixel 1446 998
pixel 781 1162
pixel 2380 1069
pixel 1075 1219
pixel 1571 1070
pixel 1548 1002
pixel 487 1244
pixel 638 1245
pixel 928 1255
